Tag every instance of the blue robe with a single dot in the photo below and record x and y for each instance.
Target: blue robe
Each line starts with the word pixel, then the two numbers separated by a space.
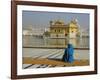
pixel 68 54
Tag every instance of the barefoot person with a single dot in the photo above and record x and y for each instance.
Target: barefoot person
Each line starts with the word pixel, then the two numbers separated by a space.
pixel 68 54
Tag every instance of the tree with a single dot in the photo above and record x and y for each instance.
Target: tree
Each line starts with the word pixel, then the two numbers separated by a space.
pixel 47 34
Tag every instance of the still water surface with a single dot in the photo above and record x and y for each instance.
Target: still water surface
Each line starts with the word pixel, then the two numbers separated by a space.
pixel 33 41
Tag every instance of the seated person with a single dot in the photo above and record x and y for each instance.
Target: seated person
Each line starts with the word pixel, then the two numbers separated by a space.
pixel 68 54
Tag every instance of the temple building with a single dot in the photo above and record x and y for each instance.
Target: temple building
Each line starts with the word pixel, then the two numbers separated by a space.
pixel 58 29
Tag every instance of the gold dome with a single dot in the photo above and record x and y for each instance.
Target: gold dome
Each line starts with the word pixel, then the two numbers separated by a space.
pixel 59 22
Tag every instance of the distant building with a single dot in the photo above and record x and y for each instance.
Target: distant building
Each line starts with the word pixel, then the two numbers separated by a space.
pixel 27 32
pixel 58 29
pixel 85 33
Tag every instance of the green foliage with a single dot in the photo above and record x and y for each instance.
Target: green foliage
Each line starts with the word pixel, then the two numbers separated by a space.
pixel 47 34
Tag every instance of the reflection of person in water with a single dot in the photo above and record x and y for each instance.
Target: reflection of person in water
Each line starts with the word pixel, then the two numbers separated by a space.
pixel 68 54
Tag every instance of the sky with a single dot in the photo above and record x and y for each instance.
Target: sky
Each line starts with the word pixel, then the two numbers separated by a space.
pixel 41 19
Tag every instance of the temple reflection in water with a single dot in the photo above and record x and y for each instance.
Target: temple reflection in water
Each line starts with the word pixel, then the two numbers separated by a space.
pixel 31 41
